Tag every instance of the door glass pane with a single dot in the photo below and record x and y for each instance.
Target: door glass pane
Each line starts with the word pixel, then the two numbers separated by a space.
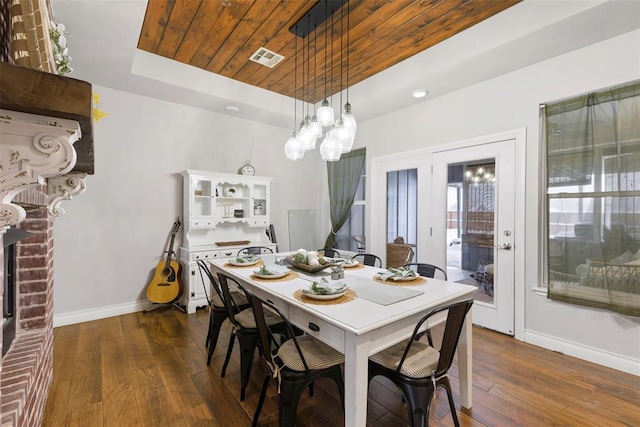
pixel 470 225
pixel 402 217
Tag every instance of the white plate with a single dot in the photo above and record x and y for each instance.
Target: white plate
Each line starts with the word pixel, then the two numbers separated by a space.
pixel 403 279
pixel 353 264
pixel 311 295
pixel 276 275
pixel 243 264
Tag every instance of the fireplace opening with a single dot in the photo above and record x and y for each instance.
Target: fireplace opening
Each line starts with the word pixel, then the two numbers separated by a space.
pixel 11 237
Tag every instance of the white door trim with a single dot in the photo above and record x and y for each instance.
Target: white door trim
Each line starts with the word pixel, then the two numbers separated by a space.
pixel 420 159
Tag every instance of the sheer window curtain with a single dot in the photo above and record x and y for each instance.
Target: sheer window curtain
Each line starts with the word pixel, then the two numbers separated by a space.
pixel 344 176
pixel 593 199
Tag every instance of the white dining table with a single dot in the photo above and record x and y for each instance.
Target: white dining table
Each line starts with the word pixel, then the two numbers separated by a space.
pixel 360 327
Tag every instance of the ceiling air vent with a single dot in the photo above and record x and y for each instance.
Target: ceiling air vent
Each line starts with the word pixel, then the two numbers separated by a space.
pixel 266 57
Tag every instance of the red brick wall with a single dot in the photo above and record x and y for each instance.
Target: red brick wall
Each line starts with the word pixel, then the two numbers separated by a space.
pixel 27 369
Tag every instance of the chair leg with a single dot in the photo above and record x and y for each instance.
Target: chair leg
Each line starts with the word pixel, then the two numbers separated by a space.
pixel 248 344
pixel 418 403
pixel 263 394
pixel 444 382
pixel 288 406
pixel 215 323
pixel 232 340
pixel 336 376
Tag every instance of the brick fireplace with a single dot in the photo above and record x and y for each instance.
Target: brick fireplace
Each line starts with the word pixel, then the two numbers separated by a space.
pixel 46 150
pixel 27 368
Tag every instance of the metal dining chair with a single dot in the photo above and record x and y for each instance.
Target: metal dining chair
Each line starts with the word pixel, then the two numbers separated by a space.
pixel 295 364
pixel 369 259
pixel 218 311
pixel 254 250
pixel 418 369
pixel 331 253
pixel 244 328
pixel 426 270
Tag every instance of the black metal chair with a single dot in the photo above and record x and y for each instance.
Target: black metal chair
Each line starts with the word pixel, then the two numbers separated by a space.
pixel 218 311
pixel 418 369
pixel 331 253
pixel 244 328
pixel 426 270
pixel 296 363
pixel 254 250
pixel 369 259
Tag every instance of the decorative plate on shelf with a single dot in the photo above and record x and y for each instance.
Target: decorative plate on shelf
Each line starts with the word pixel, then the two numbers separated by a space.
pixel 233 243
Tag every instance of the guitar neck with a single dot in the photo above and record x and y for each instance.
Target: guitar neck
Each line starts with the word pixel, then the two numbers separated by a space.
pixel 170 251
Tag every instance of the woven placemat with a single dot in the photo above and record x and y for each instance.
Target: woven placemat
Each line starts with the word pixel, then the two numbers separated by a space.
pixel 350 295
pixel 355 267
pixel 257 264
pixel 289 276
pixel 418 281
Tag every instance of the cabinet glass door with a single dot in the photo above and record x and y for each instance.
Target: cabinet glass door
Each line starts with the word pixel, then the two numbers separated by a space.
pixel 260 200
pixel 201 197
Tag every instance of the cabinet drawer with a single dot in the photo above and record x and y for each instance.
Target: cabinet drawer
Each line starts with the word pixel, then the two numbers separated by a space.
pixel 325 332
pixel 204 255
pixel 228 253
pixel 201 223
pixel 258 222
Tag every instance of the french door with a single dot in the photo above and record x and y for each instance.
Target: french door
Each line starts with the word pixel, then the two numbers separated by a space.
pixel 474 197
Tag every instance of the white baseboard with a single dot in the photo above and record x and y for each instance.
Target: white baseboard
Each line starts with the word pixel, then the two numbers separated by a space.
pixel 590 354
pixel 99 313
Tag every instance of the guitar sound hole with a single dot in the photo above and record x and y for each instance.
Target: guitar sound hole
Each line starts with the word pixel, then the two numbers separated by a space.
pixel 167 272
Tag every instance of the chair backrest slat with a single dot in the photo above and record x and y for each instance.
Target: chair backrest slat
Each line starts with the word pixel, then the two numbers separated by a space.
pixel 266 336
pixel 205 272
pixel 229 303
pixel 457 312
pixel 426 270
pixel 369 259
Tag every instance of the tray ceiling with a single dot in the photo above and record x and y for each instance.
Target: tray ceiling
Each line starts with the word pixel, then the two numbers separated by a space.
pixel 220 35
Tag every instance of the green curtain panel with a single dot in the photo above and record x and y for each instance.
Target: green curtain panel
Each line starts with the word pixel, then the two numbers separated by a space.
pixel 593 199
pixel 344 176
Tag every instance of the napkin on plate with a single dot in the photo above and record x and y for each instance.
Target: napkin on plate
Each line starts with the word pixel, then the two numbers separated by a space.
pixel 247 259
pixel 396 273
pixel 324 287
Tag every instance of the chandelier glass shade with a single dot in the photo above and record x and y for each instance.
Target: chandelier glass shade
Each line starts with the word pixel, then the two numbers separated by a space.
pixel 293 148
pixel 337 134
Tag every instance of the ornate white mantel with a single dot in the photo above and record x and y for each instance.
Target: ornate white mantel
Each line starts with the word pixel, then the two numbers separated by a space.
pixel 34 148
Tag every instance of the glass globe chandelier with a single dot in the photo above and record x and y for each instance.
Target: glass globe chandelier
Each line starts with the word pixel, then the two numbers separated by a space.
pixel 337 135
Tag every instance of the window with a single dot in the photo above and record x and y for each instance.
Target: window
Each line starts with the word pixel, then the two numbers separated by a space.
pixel 593 199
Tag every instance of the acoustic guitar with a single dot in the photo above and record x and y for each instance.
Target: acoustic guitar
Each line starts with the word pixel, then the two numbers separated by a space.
pixel 166 285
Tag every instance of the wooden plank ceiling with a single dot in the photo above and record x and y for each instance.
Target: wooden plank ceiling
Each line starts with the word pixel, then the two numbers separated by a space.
pixel 221 35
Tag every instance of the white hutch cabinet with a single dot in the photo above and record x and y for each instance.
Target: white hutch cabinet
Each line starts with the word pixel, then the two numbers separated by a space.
pixel 219 211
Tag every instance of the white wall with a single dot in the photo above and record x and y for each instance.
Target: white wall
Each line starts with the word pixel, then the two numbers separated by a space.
pixel 110 239
pixel 511 102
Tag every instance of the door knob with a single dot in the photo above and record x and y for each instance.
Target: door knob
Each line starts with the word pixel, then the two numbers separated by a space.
pixel 505 246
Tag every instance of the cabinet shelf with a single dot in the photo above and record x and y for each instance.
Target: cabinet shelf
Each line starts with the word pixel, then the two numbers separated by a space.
pixel 209 216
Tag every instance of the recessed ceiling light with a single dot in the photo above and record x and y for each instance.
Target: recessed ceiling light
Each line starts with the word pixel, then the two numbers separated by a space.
pixel 419 93
pixel 231 109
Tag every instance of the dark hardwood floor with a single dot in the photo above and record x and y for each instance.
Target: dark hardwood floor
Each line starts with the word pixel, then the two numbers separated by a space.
pixel 149 369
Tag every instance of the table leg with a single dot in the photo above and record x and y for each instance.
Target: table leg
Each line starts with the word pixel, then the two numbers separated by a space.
pixel 355 381
pixel 465 356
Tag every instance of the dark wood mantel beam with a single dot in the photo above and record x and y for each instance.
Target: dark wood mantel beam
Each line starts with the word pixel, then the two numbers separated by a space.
pixel 36 92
